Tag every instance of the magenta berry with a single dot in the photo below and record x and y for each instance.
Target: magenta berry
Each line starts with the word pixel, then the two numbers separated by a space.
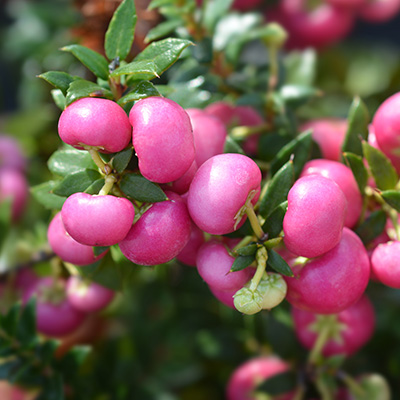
pixel 97 220
pixel 88 297
pixel 222 110
pixel 98 123
pixel 162 138
pixel 315 216
pixel 160 234
pixel 351 329
pixel 214 263
pixel 344 177
pixel 188 254
pixel 220 189
pixel 377 11
pixel 11 155
pixel 67 248
pixel 331 283
pixel 224 296
pixel 385 263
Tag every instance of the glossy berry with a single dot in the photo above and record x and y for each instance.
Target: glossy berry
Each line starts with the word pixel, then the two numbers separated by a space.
pixel 162 138
pixel 94 122
pixel 385 263
pixel 67 248
pixel 333 282
pixel 315 216
pixel 352 328
pixel 14 186
pixel 160 234
pixel 224 296
pixel 221 110
pixel 377 11
pixel 219 190
pixel 97 220
pixel 188 255
pixel 182 185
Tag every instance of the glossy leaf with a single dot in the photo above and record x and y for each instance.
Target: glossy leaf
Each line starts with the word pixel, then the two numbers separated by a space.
pixel 273 224
pixel 76 182
pixel 43 193
pixel 278 264
pixel 278 384
pixel 392 197
pixel 278 189
pixel 121 31
pixel 163 29
pixel 58 98
pixel 81 88
pixel 137 70
pixel 141 90
pixel 95 187
pixel 66 161
pixel 94 61
pixel 357 129
pixel 382 169
pixel 356 164
pixel 297 95
pixel 242 262
pixel 372 227
pixel 26 328
pixel 141 189
pixel 248 250
pixel 301 67
pixel 214 11
pixel 231 146
pixel 121 160
pixel 60 80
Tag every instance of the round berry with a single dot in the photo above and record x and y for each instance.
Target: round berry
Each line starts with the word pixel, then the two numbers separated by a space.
pixel 11 155
pixel 379 10
pixel 385 263
pixel 188 255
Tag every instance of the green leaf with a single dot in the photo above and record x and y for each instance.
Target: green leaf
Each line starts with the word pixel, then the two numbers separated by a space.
pixel 140 90
pixel 163 29
pixel 248 250
pixel 9 368
pixel 60 80
pixel 53 389
pixel 79 89
pixel 358 121
pixel 356 164
pixel 231 146
pixel 163 53
pixel 203 51
pixel 278 264
pixel 300 148
pixel 121 160
pixel 392 197
pixel 301 67
pixel 297 95
pixel 277 190
pixel 137 70
pixel 273 224
pixel 26 328
pixel 382 169
pixel 159 3
pixel 121 31
pixel 95 187
pixel 97 250
pixel 92 60
pixel 214 11
pixel 43 193
pixel 372 227
pixel 76 182
pixel 5 217
pixel 242 262
pixel 278 384
pixel 141 189
pixel 58 98
pixel 66 161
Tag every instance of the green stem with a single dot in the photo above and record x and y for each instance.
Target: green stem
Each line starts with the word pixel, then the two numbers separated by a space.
pixel 319 344
pixel 262 258
pixel 299 393
pixel 254 222
pixel 110 180
pixel 104 168
pixel 242 132
pixel 323 390
pixel 242 243
pixel 352 384
pixel 273 69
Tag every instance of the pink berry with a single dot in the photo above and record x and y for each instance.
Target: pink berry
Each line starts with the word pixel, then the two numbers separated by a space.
pixel 354 328
pixel 379 10
pixel 188 254
pixel 88 297
pixel 329 135
pixel 97 220
pixel 182 185
pixel 333 282
pixel 385 263
pixel 67 248
pixel 344 177
pixel 245 5
pixel 315 216
pixel 348 4
pixel 94 122
pixel 224 296
pixel 220 189
pixel 214 263
pixel 11 155
pixel 162 138
pixel 160 234
pixel 222 110
pixel 250 374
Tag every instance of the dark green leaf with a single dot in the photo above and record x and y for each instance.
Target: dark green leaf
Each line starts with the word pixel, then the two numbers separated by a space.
pixel 121 160
pixel 5 217
pixel 9 368
pixel 141 189
pixel 357 166
pixel 382 169
pixel 203 51
pixel 242 262
pixel 301 67
pixel 248 250
pixel 47 349
pixel 214 11
pixel 140 90
pixel 278 264
pixel 58 98
pixel 66 161
pixel 297 95
pixel 121 31
pixel 9 322
pixel 372 227
pixel 163 29
pixel 76 182
pixel 53 389
pixel 60 80
pixel 26 329
pixel 300 148
pixel 273 224
pixel 278 189
pixel 94 61
pixel 99 250
pixel 358 121
pixel 392 197
pixel 138 70
pixel 79 89
pixel 96 186
pixel 43 193
pixel 278 384
pixel 231 146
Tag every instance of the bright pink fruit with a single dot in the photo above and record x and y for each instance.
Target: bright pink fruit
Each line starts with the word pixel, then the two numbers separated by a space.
pixel 219 190
pixel 214 263
pixel 344 177
pixel 13 186
pixel 315 216
pixel 329 135
pixel 224 296
pixel 348 4
pixel 160 234
pixel 222 110
pixel 97 220
pixel 333 282
pixel 11 155
pixel 98 123
pixel 66 248
pixel 385 263
pixel 162 138
pixel 250 374
pixel 386 124
pixel 88 297
pixel 379 10
pixel 245 5
pixel 355 326
pixel 188 254
pixel 182 184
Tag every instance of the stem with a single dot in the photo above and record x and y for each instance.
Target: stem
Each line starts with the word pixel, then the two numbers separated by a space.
pixel 323 390
pixel 352 384
pixel 262 258
pixel 319 344
pixel 254 222
pixel 299 393
pixel 242 243
pixel 110 180
pixel 104 168
pixel 71 269
pixel 242 132
pixel 273 69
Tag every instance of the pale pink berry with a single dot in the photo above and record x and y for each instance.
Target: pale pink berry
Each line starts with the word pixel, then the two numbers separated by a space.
pixel 222 110
pixel 162 138
pixel 377 11
pixel 182 185
pixel 11 155
pixel 315 216
pixel 98 123
pixel 97 220
pixel 220 189
pixel 14 186
pixel 385 263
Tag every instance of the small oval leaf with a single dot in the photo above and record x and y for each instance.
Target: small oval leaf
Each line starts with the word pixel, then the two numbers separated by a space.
pixel 76 182
pixel 141 189
pixel 278 264
pixel 242 262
